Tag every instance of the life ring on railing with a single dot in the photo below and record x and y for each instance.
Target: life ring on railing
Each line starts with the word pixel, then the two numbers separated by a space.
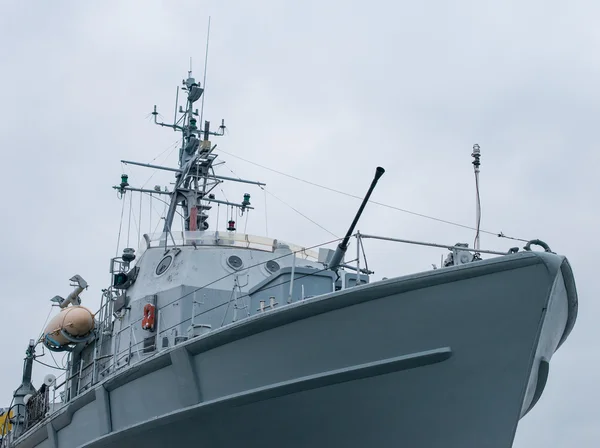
pixel 149 317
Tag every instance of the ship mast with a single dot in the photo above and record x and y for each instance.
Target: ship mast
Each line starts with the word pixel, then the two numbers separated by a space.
pixel 195 178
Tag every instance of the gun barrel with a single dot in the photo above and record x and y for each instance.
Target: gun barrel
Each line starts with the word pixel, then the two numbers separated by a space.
pixel 343 246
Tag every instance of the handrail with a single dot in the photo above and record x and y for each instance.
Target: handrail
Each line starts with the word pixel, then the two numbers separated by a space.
pixel 217 238
pixel 443 246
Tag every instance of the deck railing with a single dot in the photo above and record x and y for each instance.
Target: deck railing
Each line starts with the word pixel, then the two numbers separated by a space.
pixel 227 239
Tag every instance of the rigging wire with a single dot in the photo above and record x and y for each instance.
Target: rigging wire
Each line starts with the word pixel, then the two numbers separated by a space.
pixel 39 340
pixel 285 203
pixel 444 221
pixel 48 365
pixel 169 148
pixel 478 198
pixel 302 214
pixel 129 225
pixel 135 221
pixel 225 196
pixel 120 227
pixel 172 148
pixel 155 211
pixel 205 69
pixel 45 322
pixel 140 223
pixel 54 359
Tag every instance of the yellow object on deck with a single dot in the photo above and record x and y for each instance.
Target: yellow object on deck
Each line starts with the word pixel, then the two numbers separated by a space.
pixel 5 425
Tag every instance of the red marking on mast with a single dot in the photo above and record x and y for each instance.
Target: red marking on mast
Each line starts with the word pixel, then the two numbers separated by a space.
pixel 194 218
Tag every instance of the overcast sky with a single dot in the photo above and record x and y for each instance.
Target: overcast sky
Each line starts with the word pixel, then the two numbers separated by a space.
pixel 326 91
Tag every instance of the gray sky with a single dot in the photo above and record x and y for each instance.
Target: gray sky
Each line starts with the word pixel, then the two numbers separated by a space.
pixel 324 90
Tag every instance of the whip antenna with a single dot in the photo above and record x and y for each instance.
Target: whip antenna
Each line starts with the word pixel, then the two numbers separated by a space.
pixel 476 163
pixel 205 65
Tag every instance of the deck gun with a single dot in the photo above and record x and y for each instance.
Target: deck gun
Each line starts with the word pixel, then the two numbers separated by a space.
pixel 340 251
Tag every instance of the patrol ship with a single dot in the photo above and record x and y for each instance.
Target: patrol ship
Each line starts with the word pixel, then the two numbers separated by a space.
pixel 219 338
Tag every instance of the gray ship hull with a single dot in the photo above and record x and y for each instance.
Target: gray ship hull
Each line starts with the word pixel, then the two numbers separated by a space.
pixel 448 358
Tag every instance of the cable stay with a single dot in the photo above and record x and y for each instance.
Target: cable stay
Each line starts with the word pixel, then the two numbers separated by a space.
pixel 344 193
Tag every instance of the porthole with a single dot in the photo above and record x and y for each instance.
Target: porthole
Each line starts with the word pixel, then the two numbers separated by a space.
pixel 164 264
pixel 235 262
pixel 272 266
